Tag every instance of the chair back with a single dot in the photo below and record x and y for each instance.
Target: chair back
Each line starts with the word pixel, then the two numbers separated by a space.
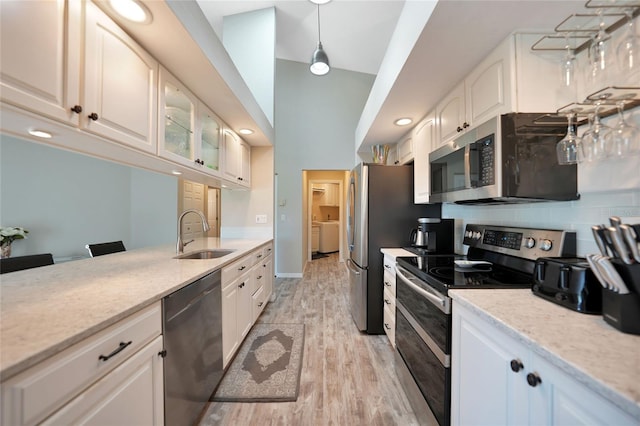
pixel 18 263
pixel 105 248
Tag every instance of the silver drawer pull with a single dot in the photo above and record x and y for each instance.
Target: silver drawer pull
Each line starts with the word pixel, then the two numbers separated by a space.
pixel 115 352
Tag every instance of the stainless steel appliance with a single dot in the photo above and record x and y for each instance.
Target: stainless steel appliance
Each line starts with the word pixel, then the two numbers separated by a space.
pixel 192 329
pixel 498 257
pixel 420 237
pixel 508 159
pixel 432 236
pixel 381 213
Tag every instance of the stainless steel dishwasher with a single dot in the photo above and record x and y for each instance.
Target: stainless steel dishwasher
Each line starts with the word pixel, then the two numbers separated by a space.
pixel 192 328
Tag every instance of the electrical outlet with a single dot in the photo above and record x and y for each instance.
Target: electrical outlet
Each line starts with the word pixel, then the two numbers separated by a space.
pixel 261 218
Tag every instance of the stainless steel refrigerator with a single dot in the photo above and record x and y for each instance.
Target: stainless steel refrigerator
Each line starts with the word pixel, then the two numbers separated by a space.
pixel 381 213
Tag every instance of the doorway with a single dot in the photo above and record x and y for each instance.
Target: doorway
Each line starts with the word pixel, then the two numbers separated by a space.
pixel 325 213
pixel 193 195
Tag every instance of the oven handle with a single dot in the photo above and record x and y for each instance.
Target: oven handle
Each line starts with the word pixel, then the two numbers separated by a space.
pixel 443 303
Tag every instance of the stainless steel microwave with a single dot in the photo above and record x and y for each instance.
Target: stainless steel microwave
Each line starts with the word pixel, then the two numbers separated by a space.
pixel 509 159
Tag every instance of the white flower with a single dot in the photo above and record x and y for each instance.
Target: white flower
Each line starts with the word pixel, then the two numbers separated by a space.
pixel 9 234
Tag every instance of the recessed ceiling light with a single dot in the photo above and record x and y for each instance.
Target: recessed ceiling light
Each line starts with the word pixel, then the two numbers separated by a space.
pixel 176 172
pixel 40 134
pixel 132 10
pixel 245 131
pixel 403 121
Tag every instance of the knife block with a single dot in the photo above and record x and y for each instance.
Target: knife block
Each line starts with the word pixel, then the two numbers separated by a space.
pixel 622 311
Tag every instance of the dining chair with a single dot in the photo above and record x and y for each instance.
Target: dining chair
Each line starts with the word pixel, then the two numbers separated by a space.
pixel 101 249
pixel 18 263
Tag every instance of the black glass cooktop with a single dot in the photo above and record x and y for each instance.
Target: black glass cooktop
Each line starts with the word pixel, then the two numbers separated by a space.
pixel 442 273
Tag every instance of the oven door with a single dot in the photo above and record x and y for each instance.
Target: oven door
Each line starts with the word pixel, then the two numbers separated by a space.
pixel 423 341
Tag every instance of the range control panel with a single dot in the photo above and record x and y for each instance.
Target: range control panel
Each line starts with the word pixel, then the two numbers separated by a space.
pixel 528 243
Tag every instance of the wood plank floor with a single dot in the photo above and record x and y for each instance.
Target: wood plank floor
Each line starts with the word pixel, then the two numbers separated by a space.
pixel 347 377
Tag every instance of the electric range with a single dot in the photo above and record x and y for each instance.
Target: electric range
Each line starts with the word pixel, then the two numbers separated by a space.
pixel 498 257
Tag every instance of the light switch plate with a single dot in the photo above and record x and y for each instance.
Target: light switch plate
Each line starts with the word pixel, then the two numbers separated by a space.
pixel 261 218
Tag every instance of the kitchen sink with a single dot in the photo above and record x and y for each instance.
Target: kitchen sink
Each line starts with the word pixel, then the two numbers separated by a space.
pixel 205 254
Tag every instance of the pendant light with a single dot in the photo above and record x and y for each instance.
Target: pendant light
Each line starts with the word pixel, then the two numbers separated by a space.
pixel 319 60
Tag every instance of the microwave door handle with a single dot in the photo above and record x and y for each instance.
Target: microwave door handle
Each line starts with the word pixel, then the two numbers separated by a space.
pixel 467 166
pixel 440 302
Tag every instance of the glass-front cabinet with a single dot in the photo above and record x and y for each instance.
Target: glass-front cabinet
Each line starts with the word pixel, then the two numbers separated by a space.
pixel 189 132
pixel 176 120
pixel 208 140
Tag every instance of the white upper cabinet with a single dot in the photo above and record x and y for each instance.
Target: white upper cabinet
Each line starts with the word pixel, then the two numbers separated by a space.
pixel 176 120
pixel 208 137
pixel 488 86
pixel 451 115
pixel 405 151
pixel 422 146
pixel 237 159
pixel 112 93
pixel 41 71
pixel 120 93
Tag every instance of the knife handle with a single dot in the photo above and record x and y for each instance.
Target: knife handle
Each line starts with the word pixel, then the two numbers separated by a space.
pixel 619 245
pixel 598 237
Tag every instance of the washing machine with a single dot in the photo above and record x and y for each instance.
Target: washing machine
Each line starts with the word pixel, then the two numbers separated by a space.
pixel 329 236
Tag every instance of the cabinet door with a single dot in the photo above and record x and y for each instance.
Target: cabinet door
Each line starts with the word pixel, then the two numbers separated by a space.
pixel 109 400
pixel 230 341
pixel 257 303
pixel 485 390
pixel 488 87
pixel 231 164
pixel 41 69
pixel 405 151
pixel 120 84
pixel 176 121
pixel 245 317
pixel 422 146
pixel 560 400
pixel 208 140
pixel 451 115
pixel 245 164
pixel 267 267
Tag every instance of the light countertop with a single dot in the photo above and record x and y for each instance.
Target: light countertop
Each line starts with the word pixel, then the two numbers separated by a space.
pixel 397 252
pixel 45 310
pixel 584 346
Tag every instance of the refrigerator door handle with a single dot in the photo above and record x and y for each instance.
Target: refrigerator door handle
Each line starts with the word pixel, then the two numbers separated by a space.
pixel 349 264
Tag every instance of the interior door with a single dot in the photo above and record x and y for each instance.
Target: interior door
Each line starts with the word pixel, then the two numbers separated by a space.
pixel 192 198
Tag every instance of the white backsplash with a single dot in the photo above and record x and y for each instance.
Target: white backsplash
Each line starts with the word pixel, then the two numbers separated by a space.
pixel 591 209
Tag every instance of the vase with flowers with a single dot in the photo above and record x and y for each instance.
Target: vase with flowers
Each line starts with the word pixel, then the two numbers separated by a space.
pixel 8 234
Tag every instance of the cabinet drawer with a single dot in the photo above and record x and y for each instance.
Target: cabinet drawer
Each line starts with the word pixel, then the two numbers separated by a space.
pixel 389 300
pixel 36 393
pixel 137 379
pixel 231 272
pixel 258 303
pixel 257 256
pixel 267 249
pixel 389 282
pixel 389 264
pixel 389 323
pixel 258 277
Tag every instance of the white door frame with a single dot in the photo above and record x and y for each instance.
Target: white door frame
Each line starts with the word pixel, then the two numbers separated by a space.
pixel 340 183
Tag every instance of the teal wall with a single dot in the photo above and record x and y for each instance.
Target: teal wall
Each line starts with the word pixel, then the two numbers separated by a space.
pixel 66 200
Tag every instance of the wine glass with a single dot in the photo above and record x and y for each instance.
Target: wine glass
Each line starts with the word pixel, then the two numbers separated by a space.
pixel 599 53
pixel 568 65
pixel 567 148
pixel 624 138
pixel 595 141
pixel 628 50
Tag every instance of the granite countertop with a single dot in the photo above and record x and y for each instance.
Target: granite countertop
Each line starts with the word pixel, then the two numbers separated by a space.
pixel 45 310
pixel 584 346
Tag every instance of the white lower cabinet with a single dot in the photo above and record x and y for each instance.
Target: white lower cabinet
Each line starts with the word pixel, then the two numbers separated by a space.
pixel 237 318
pixel 389 297
pixel 95 380
pixel 131 394
pixel 496 380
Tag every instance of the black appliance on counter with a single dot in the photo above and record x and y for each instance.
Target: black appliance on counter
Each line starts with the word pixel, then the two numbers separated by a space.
pixel 498 257
pixel 437 236
pixel 510 158
pixel 569 282
pixel 380 213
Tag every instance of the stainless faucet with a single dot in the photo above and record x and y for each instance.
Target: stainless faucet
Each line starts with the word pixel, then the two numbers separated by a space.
pixel 205 227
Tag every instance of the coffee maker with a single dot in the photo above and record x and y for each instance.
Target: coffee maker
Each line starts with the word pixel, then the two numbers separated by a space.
pixel 433 235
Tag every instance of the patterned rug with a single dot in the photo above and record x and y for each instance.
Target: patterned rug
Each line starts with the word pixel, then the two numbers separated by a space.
pixel 267 367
